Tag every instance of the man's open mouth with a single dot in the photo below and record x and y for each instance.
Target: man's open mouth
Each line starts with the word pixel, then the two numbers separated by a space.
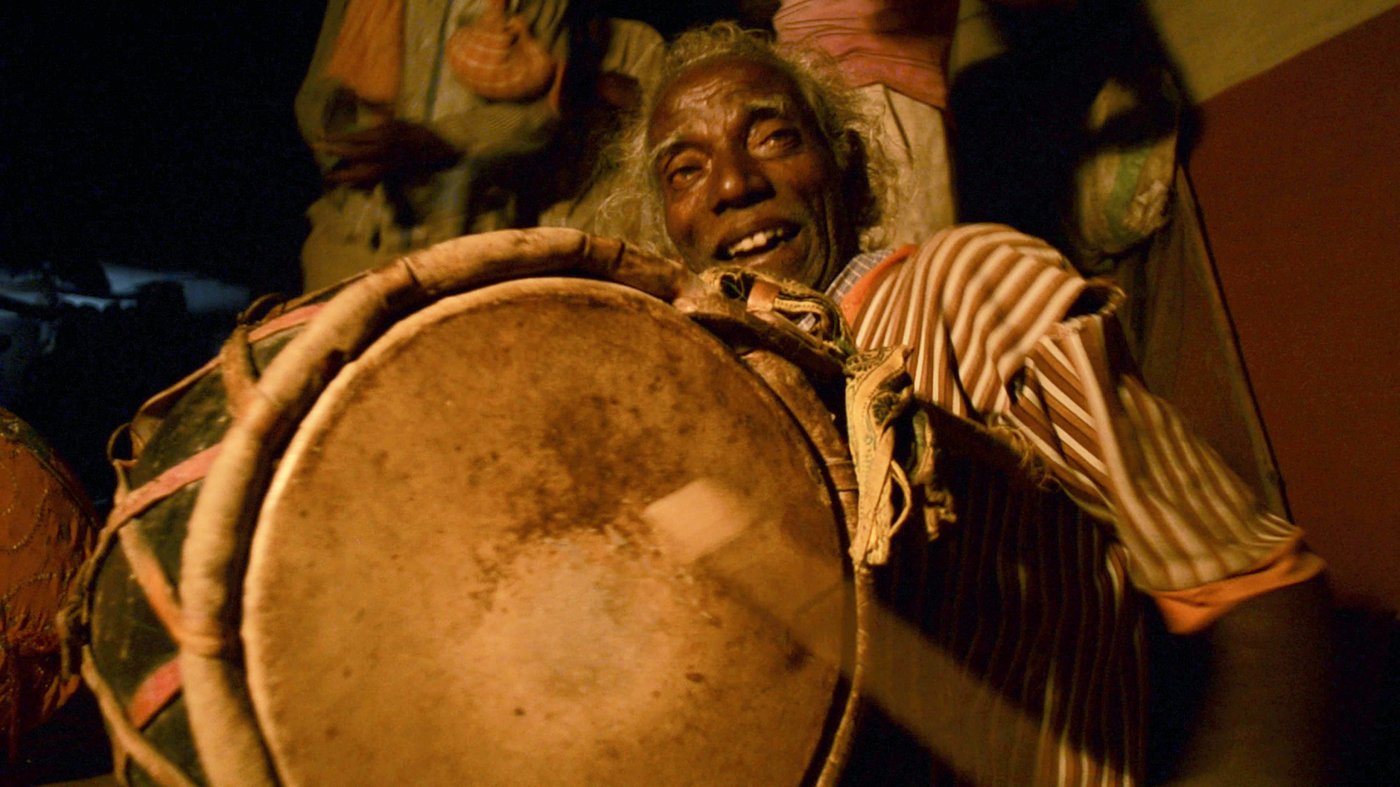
pixel 757 242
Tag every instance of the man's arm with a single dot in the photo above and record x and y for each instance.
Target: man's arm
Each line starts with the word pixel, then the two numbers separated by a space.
pixel 1262 716
pixel 314 98
pixel 1231 579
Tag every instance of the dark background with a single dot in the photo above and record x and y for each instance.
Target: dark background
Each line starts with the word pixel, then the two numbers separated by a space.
pixel 164 137
pixel 157 137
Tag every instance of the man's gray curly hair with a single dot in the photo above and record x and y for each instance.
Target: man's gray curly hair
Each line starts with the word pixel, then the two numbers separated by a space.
pixel 634 208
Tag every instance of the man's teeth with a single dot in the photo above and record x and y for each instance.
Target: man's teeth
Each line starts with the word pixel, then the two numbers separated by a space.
pixel 759 240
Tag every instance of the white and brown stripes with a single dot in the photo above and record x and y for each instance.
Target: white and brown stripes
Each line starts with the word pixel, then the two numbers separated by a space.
pixel 1004 333
pixel 970 300
pixel 985 307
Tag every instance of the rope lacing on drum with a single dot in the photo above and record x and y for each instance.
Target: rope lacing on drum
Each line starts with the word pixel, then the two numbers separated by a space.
pixel 238 374
pixel 891 441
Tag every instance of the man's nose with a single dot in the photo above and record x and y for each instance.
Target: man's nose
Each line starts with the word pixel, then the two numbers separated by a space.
pixel 739 181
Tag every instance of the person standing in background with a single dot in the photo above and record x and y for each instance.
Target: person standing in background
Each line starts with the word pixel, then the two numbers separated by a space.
pixel 435 118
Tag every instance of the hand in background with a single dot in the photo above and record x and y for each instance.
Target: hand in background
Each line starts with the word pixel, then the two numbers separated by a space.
pixel 393 148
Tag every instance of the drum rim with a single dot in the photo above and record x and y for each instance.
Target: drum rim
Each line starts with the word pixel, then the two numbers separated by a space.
pixel 222 720
pixel 684 331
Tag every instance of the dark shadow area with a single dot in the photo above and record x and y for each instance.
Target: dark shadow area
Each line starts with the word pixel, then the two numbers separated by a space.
pixel 1019 119
pixel 1013 603
pixel 1366 748
pixel 71 745
pixel 1363 740
pixel 157 141
pixel 159 138
pixel 84 362
pixel 1176 676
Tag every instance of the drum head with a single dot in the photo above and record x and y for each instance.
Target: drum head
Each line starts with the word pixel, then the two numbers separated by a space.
pixel 455 577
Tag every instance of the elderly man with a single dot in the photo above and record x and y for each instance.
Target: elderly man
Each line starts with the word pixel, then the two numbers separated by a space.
pixel 753 157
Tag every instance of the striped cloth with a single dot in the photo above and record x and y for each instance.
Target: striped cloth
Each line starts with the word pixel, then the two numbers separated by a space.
pixel 1019 658
pixel 1029 597
pixel 368 54
pixel 1005 333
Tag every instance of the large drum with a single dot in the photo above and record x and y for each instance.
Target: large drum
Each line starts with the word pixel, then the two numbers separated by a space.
pixel 47 528
pixel 498 513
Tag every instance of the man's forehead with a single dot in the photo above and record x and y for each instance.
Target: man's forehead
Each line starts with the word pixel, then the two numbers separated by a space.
pixel 738 73
pixel 732 83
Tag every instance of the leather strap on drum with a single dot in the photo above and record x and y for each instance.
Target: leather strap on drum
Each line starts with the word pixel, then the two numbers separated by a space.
pixel 751 309
pixel 892 446
pixel 259 321
pixel 221 718
pixel 131 503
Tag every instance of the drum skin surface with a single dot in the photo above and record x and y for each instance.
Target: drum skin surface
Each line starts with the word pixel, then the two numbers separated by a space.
pixel 47 527
pixel 452 579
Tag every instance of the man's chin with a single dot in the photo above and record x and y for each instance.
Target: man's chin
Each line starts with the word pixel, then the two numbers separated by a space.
pixel 785 263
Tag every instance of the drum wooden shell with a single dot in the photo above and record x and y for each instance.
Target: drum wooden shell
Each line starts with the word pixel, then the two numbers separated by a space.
pixel 47 527
pixel 437 565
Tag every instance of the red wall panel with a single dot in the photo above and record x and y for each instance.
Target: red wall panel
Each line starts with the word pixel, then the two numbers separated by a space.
pixel 1298 176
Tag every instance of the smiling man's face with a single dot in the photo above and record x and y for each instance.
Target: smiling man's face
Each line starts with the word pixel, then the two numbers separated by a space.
pixel 746 176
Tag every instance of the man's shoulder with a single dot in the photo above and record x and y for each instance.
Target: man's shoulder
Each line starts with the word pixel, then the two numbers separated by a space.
pixel 855 270
pixel 987 245
pixel 947 246
pixel 983 234
pixel 961 266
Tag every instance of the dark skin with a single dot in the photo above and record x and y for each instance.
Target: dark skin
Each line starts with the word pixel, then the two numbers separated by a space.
pixel 746 174
pixel 747 179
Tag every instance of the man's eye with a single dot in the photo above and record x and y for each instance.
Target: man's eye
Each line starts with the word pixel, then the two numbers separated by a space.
pixel 678 176
pixel 780 139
